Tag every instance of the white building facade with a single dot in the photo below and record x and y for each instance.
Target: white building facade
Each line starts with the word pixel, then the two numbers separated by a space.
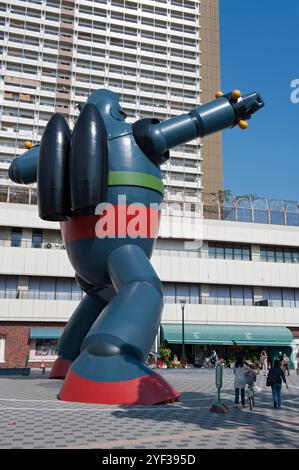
pixel 240 286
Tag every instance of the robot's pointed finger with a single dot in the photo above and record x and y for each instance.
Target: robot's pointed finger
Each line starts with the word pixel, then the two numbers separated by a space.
pixel 52 171
pixel 89 161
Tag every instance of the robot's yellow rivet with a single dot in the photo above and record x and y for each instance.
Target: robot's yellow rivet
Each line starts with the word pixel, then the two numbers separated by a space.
pixel 28 144
pixel 243 124
pixel 236 94
pixel 218 94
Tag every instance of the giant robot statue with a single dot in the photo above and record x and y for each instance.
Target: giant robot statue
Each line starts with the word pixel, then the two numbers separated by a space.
pixel 106 160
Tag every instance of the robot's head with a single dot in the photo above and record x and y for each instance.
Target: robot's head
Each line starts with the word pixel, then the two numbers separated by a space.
pixel 108 104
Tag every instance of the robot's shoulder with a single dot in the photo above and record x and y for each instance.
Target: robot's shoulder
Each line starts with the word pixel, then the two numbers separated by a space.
pixel 116 128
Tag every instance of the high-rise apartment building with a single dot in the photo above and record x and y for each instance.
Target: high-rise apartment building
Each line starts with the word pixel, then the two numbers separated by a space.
pixel 162 57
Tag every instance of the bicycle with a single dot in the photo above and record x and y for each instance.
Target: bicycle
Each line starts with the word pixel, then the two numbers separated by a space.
pixel 250 379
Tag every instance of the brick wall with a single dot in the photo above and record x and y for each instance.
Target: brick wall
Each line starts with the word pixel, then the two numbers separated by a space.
pixel 17 342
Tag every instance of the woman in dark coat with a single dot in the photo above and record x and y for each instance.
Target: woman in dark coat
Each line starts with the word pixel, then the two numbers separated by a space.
pixel 275 378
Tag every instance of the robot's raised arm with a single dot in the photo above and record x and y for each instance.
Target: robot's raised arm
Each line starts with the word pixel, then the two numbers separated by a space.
pixel 156 138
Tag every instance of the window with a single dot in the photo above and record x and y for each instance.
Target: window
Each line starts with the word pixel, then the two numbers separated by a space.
pixel 248 295
pixel 223 295
pixel 230 295
pixel 52 288
pixel 237 295
pixel 8 287
pixel 288 297
pixel 37 238
pixel 224 251
pixel 63 288
pixel 46 347
pixel 41 288
pixel 182 292
pixel 175 292
pixel 273 295
pixel 77 293
pixel 16 236
pixel 279 255
pixel 169 293
pixel 2 349
pixel 285 297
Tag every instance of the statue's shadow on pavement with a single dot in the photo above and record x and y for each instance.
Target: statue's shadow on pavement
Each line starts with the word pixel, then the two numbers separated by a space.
pixel 194 408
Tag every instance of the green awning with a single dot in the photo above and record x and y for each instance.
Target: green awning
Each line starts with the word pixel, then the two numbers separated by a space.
pixel 46 333
pixel 227 334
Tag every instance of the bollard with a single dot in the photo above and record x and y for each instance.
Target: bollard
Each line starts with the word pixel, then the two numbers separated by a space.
pixel 218 407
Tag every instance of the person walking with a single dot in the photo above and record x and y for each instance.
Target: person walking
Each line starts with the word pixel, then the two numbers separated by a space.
pixel 264 361
pixel 240 370
pixel 280 357
pixel 285 364
pixel 214 358
pixel 275 377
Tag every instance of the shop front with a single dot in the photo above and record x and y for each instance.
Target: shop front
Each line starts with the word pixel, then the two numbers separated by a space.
pixel 44 345
pixel 229 342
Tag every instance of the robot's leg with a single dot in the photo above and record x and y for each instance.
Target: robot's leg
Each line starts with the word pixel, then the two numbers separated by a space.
pixel 110 368
pixel 75 331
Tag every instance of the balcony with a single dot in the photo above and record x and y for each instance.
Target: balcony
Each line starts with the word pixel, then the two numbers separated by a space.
pixel 67 26
pixel 8 243
pixel 36 310
pixel 64 67
pixel 63 81
pixel 61 310
pixel 231 315
pixel 65 39
pixel 64 53
pixel 62 110
pixel 63 95
pixel 68 12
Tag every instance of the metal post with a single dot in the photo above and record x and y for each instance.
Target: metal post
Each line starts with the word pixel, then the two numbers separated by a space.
pixel 183 302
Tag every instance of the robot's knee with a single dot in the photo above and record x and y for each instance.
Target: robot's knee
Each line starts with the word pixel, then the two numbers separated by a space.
pixel 109 345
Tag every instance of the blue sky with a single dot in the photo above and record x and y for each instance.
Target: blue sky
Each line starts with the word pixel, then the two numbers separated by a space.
pixel 260 51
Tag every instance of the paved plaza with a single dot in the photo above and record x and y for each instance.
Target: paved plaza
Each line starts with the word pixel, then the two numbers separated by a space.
pixel 32 417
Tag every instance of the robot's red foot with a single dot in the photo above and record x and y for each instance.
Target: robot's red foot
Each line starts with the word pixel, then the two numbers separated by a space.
pixel 100 385
pixel 60 368
pixel 148 390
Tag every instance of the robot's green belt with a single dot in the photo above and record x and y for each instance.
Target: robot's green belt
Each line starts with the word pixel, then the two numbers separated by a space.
pixel 129 178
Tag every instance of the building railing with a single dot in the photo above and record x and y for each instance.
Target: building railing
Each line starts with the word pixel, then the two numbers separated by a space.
pixel 244 209
pixel 254 210
pixel 18 194
pixel 8 242
pixel 40 295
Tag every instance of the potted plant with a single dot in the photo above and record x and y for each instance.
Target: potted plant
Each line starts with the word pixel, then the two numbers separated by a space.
pixel 165 353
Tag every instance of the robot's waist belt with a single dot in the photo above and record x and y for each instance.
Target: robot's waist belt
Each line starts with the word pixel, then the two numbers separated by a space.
pixel 130 178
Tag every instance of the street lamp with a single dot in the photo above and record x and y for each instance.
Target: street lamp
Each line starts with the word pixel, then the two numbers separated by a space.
pixel 183 303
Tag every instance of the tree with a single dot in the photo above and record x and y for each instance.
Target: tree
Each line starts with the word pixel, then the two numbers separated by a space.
pixel 223 195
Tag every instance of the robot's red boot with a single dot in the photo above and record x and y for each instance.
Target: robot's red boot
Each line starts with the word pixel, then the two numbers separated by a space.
pixel 60 368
